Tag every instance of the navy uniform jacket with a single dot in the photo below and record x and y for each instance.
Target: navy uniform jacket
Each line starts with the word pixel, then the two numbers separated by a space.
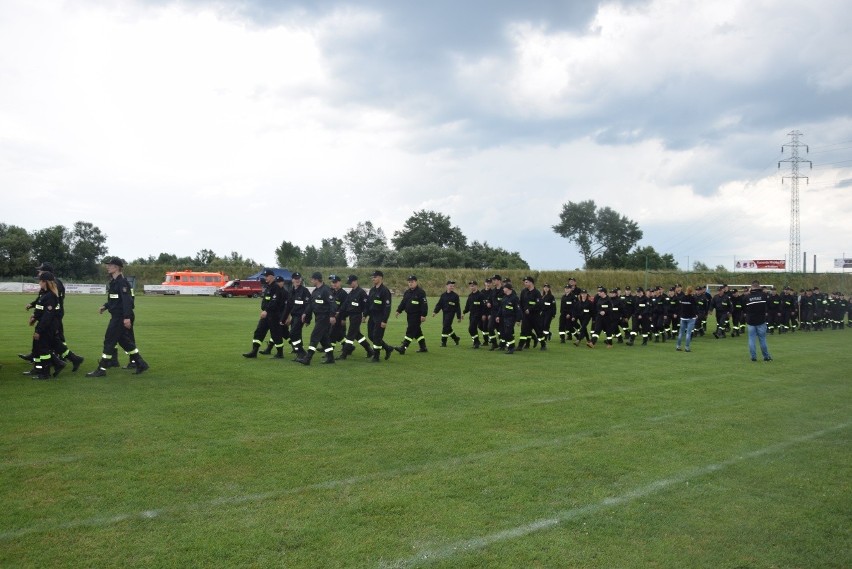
pixel 322 304
pixel 299 300
pixel 510 308
pixel 379 301
pixel 119 298
pixel 475 305
pixel 356 302
pixel 449 302
pixel 413 302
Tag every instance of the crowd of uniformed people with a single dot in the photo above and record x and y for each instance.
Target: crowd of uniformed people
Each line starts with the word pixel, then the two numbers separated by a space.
pixel 603 316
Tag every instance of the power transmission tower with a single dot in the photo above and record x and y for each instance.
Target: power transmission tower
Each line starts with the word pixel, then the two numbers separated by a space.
pixel 794 257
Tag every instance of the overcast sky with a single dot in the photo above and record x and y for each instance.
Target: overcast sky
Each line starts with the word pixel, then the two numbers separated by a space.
pixel 233 126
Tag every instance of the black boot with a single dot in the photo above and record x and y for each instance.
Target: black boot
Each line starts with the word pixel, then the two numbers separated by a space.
pixel 476 343
pixel 388 350
pixel 26 357
pixel 305 359
pixel 253 353
pixel 141 365
pixel 422 344
pixel 455 338
pixel 75 360
pixel 269 345
pixel 57 363
pixel 511 350
pixel 100 371
pixel 374 354
pixel 279 353
pixel 644 340
pixel 345 351
pixel 329 357
pixel 401 349
pixel 543 345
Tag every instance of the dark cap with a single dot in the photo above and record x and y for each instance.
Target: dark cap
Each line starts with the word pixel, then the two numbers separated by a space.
pixel 601 289
pixel 529 278
pixel 583 291
pixel 451 282
pixel 334 278
pixel 497 278
pixel 627 288
pixel 639 289
pixel 279 279
pixel 269 273
pixel 45 267
pixel 545 285
pixel 46 276
pixel 412 278
pixel 317 276
pixel 114 261
pixel 567 286
pixel 507 285
pixel 296 276
pixel 488 280
pixel 351 279
pixel 378 274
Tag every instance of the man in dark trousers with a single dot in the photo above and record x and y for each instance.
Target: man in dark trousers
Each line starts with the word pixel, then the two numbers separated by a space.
pixel 450 304
pixel 119 304
pixel 755 306
pixel 271 303
pixel 567 323
pixel 509 313
pixel 379 302
pixel 530 299
pixel 474 307
pixel 354 308
pixel 322 309
pixel 300 297
pixel 338 330
pixel 413 303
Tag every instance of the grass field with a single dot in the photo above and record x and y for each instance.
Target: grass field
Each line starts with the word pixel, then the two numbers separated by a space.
pixel 629 457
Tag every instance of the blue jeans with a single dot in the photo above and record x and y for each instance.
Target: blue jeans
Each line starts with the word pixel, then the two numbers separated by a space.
pixel 686 327
pixel 760 332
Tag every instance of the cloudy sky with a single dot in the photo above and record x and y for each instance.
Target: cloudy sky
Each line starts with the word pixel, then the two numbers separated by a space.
pixel 176 126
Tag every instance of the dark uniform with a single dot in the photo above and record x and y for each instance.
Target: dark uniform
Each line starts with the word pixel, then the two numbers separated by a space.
pixel 567 322
pixel 583 312
pixel 789 311
pixel 338 329
pixel 775 312
pixel 300 298
pixel 354 308
pixel 450 304
pixel 605 319
pixel 493 301
pixel 322 308
pixel 60 344
pixel 545 315
pixel 641 320
pixel 273 301
pixel 508 314
pixel 45 335
pixel 530 299
pixel 474 307
pixel 414 305
pixel 120 305
pixel 721 304
pixel 379 302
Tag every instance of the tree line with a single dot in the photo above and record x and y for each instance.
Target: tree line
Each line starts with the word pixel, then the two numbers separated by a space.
pixel 605 239
pixel 427 239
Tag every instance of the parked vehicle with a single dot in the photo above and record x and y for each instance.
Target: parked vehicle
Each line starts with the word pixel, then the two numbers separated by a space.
pixel 193 278
pixel 250 288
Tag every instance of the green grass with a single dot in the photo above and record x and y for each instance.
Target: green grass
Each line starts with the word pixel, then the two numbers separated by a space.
pixel 629 457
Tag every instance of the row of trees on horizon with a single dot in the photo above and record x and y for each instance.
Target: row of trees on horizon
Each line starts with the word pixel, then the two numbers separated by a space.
pixel 605 239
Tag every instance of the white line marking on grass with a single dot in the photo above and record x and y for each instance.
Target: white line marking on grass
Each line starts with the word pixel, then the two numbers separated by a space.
pixel 429 556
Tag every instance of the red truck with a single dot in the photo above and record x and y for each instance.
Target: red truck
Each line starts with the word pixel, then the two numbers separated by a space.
pixel 249 288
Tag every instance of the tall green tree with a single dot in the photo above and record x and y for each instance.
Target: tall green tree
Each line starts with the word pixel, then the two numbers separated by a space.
pixel 361 237
pixel 429 228
pixel 647 257
pixel 52 245
pixel 88 247
pixel 603 236
pixel 204 257
pixel 288 255
pixel 16 250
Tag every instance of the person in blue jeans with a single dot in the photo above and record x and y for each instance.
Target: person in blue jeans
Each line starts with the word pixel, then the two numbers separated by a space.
pixel 756 304
pixel 687 311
